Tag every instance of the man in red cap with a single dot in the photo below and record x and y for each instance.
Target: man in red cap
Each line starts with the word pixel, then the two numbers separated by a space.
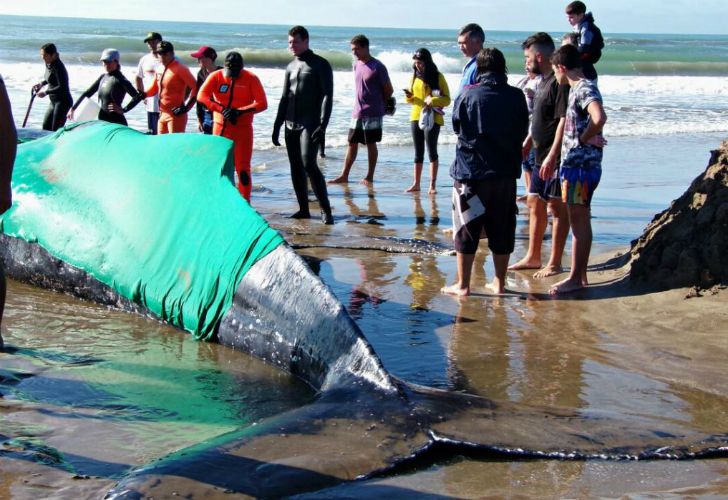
pixel 206 59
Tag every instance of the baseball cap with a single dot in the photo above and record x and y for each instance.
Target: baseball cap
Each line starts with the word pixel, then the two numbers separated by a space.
pixel 205 51
pixel 164 47
pixel 109 55
pixel 153 35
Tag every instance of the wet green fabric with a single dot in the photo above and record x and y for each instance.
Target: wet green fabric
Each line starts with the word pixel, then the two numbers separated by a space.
pixel 157 218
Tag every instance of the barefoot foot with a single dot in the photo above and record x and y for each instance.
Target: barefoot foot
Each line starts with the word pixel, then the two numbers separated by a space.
pixel 455 289
pixel 566 286
pixel 339 180
pixel 525 264
pixel 548 271
pixel 412 188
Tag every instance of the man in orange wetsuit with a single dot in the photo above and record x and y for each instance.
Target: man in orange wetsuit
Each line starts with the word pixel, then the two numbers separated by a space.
pixel 234 95
pixel 171 83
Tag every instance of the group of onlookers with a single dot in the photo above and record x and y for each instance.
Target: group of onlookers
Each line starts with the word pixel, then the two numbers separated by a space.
pixel 560 150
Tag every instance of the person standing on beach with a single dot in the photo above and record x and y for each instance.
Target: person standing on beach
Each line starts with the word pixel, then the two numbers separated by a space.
pixel 146 72
pixel 470 40
pixel 57 90
pixel 234 95
pixel 491 121
pixel 590 40
pixel 172 83
pixel 373 89
pixel 547 126
pixel 305 107
pixel 206 59
pixel 428 93
pixel 528 84
pixel 112 87
pixel 8 149
pixel 581 160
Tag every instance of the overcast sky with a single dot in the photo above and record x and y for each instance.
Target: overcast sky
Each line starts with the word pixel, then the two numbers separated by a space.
pixel 612 16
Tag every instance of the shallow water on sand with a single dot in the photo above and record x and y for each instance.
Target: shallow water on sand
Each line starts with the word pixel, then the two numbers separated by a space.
pixel 108 390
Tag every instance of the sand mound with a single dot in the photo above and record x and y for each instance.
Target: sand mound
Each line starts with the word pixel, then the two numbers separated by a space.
pixel 687 244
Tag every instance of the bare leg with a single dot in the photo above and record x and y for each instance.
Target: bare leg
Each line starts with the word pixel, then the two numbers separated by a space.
pixel 527 183
pixel 433 176
pixel 559 233
pixel 373 155
pixel 417 176
pixel 465 267
pixel 498 285
pixel 537 221
pixel 580 220
pixel 351 150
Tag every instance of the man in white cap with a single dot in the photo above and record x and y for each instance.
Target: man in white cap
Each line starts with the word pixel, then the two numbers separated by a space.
pixel 146 71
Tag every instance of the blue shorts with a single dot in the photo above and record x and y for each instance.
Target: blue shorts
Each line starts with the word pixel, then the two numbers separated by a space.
pixel 529 163
pixel 546 189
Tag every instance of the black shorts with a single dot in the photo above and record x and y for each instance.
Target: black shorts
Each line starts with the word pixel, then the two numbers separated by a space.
pixel 546 189
pixel 365 130
pixel 489 204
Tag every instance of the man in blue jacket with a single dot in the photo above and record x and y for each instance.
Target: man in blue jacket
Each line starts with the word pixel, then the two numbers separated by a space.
pixel 491 121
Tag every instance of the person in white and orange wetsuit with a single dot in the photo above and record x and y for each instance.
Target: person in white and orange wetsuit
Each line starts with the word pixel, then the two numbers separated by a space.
pixel 172 81
pixel 234 95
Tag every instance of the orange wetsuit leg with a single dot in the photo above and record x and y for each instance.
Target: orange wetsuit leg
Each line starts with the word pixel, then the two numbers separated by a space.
pixel 242 137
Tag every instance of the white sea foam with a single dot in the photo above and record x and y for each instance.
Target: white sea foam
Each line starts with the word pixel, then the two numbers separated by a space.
pixel 636 105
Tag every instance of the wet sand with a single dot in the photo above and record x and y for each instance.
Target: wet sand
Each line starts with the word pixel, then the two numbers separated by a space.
pixel 607 350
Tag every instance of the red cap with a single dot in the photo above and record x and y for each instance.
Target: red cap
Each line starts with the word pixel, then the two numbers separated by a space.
pixel 205 51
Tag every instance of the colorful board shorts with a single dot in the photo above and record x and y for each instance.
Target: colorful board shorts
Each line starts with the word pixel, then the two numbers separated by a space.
pixel 365 130
pixel 581 171
pixel 489 204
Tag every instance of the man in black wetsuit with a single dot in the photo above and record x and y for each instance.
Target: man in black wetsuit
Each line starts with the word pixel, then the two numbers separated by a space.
pixel 305 107
pixel 56 77
pixel 112 87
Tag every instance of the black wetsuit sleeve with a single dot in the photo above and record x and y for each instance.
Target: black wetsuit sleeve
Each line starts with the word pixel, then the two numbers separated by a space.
pixel 136 96
pixel 88 92
pixel 326 80
pixel 58 81
pixel 283 104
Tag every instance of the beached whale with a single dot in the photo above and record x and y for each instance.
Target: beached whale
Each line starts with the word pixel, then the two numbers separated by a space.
pixel 155 225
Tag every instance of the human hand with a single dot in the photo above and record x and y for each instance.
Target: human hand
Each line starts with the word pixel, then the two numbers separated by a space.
pixel 428 101
pixel 69 116
pixel 597 141
pixel 36 88
pixel 547 168
pixel 276 135
pixel 114 108
pixel 41 94
pixel 179 110
pixel 230 114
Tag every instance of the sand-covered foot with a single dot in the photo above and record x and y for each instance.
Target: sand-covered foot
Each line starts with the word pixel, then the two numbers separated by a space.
pixel 495 288
pixel 456 290
pixel 525 264
pixel 548 271
pixel 566 286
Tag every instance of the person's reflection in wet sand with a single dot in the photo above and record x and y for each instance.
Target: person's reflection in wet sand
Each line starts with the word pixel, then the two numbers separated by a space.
pixel 375 272
pixel 424 277
pixel 372 214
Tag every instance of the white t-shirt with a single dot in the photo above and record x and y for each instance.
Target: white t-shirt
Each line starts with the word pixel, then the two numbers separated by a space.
pixel 146 70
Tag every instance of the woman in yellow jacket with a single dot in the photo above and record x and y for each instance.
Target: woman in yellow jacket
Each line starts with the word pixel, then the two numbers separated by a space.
pixel 428 93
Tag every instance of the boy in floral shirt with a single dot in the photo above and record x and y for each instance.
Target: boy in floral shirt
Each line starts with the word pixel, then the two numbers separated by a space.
pixel 581 160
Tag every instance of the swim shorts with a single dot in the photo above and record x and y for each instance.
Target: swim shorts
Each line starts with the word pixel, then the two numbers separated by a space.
pixel 489 204
pixel 546 189
pixel 578 184
pixel 365 130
